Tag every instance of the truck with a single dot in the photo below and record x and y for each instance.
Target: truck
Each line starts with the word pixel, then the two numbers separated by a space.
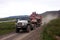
pixel 34 21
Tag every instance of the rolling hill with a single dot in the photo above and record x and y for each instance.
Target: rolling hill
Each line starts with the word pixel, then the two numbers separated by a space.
pixel 53 13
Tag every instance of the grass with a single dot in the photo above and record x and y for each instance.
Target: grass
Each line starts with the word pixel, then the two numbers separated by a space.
pixel 51 30
pixel 7 27
pixel 6 19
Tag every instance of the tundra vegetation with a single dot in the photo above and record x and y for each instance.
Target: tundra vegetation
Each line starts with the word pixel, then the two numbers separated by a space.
pixel 6 27
pixel 6 19
pixel 51 30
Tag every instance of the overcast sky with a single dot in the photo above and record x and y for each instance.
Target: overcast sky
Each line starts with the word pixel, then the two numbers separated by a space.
pixel 26 7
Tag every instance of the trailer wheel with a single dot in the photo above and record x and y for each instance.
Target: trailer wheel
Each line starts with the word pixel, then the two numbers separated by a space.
pixel 17 30
pixel 39 25
pixel 28 28
pixel 34 27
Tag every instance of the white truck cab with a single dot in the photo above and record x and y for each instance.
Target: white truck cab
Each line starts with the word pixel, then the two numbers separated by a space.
pixel 21 25
pixel 23 22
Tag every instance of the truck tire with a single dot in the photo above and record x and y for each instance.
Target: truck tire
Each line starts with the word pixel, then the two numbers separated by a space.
pixel 28 28
pixel 17 30
pixel 38 25
pixel 34 27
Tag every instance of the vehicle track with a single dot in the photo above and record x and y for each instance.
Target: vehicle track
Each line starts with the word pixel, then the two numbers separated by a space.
pixel 8 36
pixel 14 36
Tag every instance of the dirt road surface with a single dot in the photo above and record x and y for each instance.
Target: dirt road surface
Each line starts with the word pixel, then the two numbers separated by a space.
pixel 14 36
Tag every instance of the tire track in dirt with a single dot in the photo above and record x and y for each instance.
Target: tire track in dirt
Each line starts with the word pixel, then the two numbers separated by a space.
pixel 5 37
pixel 14 36
pixel 17 37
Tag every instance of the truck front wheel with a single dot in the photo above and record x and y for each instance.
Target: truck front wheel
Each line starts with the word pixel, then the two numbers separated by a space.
pixel 17 30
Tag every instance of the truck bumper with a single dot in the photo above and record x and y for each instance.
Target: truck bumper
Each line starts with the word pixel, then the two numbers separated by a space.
pixel 21 27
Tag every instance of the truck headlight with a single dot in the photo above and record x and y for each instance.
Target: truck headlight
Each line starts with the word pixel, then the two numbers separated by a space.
pixel 19 24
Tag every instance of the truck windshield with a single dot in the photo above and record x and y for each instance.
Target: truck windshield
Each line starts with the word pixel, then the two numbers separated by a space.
pixel 24 18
